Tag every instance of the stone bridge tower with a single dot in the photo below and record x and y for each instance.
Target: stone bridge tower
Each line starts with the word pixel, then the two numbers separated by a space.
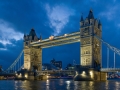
pixel 90 45
pixel 32 55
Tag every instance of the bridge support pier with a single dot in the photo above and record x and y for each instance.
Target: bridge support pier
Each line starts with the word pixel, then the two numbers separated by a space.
pixel 89 74
pixel 33 58
pixel 29 75
pixel 100 76
pixel 41 77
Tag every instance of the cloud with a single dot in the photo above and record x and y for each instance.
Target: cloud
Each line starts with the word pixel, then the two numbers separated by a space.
pixel 8 34
pixel 94 1
pixel 3 48
pixel 114 0
pixel 118 25
pixel 110 13
pixel 58 16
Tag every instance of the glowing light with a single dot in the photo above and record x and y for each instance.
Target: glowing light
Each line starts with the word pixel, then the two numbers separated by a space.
pixel 76 73
pixel 20 75
pixel 97 44
pixel 106 76
pixel 65 35
pixel 91 73
pixel 68 84
pixel 51 37
pixel 26 75
pixel 83 72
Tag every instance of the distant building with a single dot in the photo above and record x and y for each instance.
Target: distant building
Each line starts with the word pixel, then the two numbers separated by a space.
pixel 70 67
pixel 57 64
pixel 0 68
pixel 47 66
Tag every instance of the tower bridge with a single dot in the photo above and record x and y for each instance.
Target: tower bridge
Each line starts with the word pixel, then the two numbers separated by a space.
pixel 90 47
pixel 90 37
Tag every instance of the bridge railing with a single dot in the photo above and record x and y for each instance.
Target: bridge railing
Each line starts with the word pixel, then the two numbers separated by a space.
pixel 110 69
pixel 58 37
pixel 55 71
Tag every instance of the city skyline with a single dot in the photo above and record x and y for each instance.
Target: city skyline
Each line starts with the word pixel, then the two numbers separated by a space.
pixel 54 18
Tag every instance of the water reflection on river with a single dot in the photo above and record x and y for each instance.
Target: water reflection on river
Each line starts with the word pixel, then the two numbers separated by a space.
pixel 59 84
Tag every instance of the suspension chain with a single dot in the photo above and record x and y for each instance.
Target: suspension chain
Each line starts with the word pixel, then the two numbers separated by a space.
pixel 14 63
pixel 117 51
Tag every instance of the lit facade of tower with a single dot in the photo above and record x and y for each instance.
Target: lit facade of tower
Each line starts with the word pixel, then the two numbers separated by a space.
pixel 90 46
pixel 32 55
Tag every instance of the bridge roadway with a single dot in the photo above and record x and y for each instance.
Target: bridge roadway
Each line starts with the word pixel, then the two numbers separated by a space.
pixel 7 74
pixel 58 40
pixel 69 72
pixel 73 71
pixel 110 69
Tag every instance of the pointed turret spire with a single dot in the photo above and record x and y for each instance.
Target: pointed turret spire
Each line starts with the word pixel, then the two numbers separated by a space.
pixel 99 23
pixel 40 37
pixel 82 18
pixel 24 34
pixel 32 33
pixel 90 16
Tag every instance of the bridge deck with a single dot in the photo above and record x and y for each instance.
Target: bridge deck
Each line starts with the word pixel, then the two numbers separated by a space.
pixel 110 69
pixel 56 41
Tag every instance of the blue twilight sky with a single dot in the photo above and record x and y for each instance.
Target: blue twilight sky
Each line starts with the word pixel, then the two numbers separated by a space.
pixel 55 17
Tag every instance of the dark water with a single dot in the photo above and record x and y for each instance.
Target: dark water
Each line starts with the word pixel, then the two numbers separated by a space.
pixel 60 84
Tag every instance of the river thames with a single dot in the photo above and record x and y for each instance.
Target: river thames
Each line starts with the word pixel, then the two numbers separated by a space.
pixel 59 84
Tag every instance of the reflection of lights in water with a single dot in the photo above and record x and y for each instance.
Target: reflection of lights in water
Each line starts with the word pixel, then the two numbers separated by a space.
pixel 91 83
pixel 47 80
pixel 76 85
pixel 68 84
pixel 106 85
pixel 117 84
pixel 84 84
pixel 25 80
pixel 16 82
pixel 47 84
pixel 61 81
